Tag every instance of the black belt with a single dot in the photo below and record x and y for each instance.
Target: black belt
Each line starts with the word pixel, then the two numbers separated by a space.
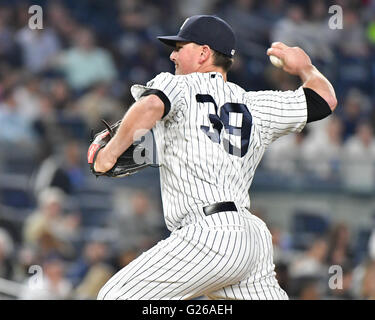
pixel 219 207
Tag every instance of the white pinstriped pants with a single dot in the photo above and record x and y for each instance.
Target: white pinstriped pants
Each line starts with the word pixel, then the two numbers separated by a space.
pixel 227 255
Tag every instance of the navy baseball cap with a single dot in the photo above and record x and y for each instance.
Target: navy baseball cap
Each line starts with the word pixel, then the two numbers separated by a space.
pixel 205 29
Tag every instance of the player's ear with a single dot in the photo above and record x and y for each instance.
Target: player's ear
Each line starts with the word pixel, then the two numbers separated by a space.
pixel 205 53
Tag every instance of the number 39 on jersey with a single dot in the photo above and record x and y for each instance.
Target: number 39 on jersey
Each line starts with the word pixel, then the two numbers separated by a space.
pixel 235 119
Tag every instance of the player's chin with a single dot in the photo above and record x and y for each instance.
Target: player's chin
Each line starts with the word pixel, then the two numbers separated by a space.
pixel 179 72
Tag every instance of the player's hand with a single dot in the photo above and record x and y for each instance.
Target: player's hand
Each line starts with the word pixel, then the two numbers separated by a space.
pixel 104 161
pixel 296 61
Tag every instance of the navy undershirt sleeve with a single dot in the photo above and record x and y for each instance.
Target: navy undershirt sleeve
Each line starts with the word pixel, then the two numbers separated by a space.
pixel 317 107
pixel 162 96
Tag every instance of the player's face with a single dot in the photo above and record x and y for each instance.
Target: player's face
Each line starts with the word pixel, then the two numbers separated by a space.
pixel 186 57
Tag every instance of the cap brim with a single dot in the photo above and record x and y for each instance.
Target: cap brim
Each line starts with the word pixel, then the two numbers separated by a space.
pixel 171 40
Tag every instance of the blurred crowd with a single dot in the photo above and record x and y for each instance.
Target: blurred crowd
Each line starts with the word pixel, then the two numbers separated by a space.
pixel 321 259
pixel 56 83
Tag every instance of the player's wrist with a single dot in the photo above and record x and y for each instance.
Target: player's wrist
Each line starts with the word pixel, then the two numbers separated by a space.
pixel 111 151
pixel 306 72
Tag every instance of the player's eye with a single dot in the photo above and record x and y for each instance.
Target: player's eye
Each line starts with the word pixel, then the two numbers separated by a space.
pixel 178 46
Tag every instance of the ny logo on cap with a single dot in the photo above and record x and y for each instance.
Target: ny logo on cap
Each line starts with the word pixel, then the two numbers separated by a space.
pixel 184 23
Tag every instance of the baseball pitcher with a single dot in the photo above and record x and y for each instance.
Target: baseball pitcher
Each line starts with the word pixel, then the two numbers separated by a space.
pixel 211 135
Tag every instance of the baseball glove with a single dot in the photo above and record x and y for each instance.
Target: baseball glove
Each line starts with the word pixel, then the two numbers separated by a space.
pixel 126 164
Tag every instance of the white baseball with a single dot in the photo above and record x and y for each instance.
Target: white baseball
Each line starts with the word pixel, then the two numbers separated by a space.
pixel 276 61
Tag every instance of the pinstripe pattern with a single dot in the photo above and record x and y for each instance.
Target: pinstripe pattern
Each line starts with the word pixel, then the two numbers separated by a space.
pixel 227 255
pixel 224 256
pixel 195 171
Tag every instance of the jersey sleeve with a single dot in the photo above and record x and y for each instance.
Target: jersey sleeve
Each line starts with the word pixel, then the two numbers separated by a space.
pixel 277 113
pixel 171 86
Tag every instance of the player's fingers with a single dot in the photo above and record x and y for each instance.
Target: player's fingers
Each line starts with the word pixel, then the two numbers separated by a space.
pixel 98 165
pixel 97 168
pixel 279 45
pixel 276 52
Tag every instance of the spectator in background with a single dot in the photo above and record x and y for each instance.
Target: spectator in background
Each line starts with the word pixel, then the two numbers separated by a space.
pixel 20 15
pixel 137 15
pixel 359 159
pixel 236 74
pixel 46 127
pixel 290 28
pixel 354 55
pixel 323 154
pixel 289 149
pixel 281 244
pixel 308 270
pixel 339 248
pixel 59 89
pixel 15 127
pixel 27 96
pixel 9 78
pixel 368 282
pixel 308 32
pixel 242 15
pixel 134 21
pixel 63 170
pixel 85 63
pixel 38 47
pixel 364 272
pixel 136 222
pixel 47 227
pixel 282 254
pixel 52 284
pixel 193 7
pixel 322 38
pixel 139 58
pixel 307 288
pixel 282 275
pixel 273 10
pixel 9 51
pixel 25 257
pixel 357 108
pixel 124 257
pixel 96 277
pixel 352 41
pixel 55 104
pixel 91 271
pixel 148 64
pixel 69 120
pixel 61 20
pixel 312 262
pixel 6 252
pixel 98 104
pixel 279 79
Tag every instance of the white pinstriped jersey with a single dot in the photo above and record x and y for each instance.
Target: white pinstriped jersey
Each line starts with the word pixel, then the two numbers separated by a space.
pixel 213 138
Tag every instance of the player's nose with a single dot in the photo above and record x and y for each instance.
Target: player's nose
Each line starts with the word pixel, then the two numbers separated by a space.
pixel 172 57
